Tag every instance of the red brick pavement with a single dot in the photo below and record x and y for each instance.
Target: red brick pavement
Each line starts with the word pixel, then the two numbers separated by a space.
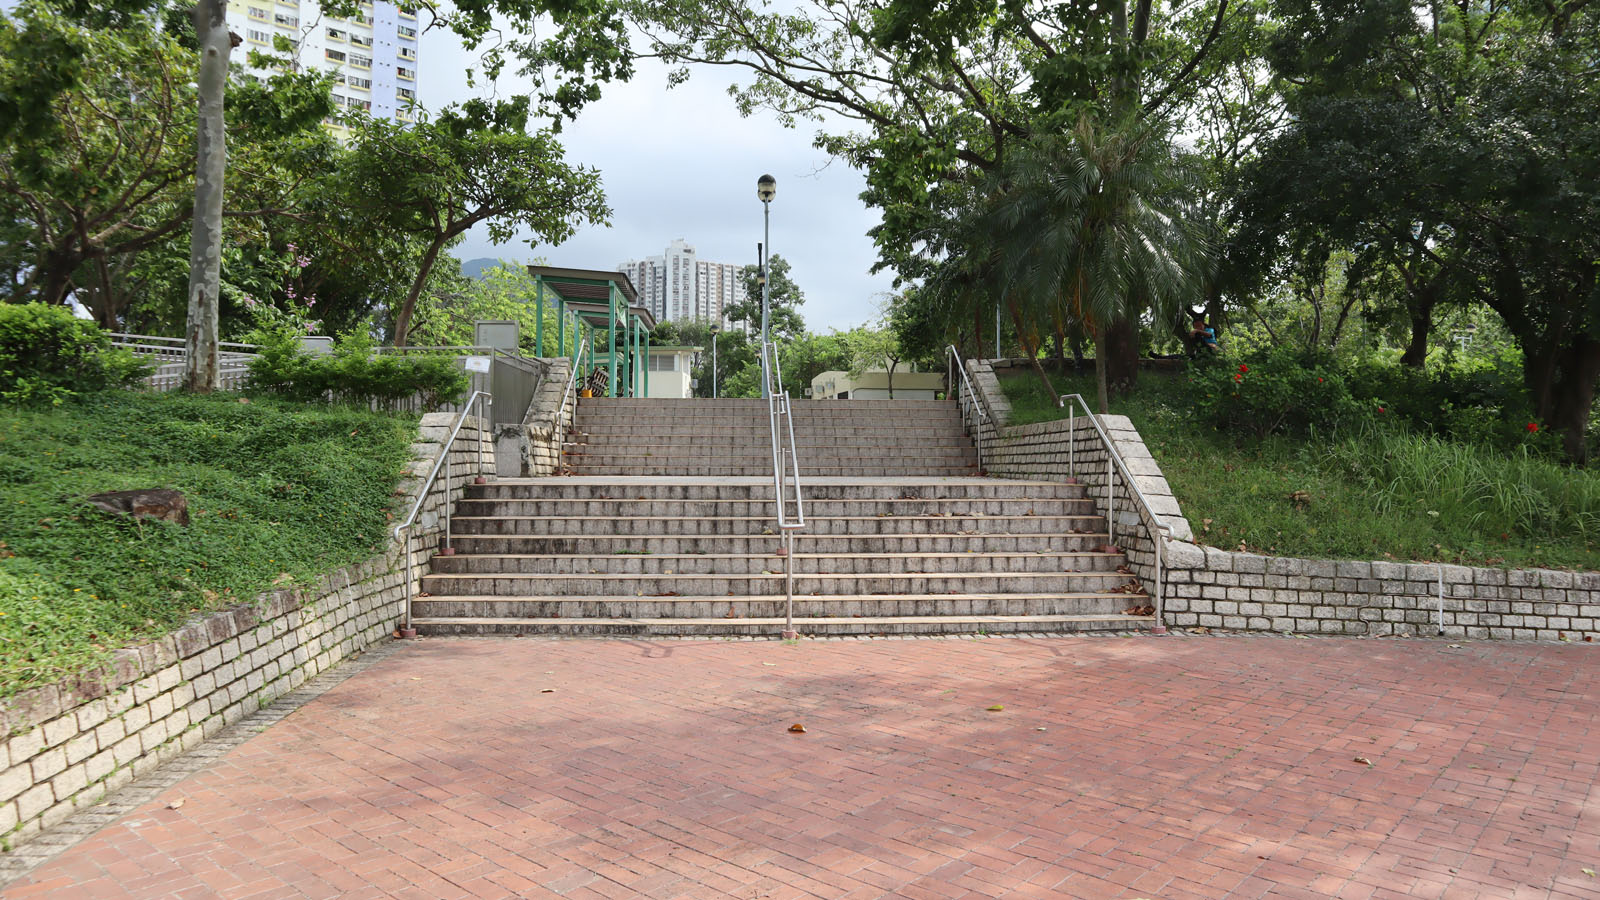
pixel 1154 767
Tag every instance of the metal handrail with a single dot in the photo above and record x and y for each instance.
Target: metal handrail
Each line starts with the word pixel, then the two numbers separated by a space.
pixel 559 431
pixel 780 410
pixel 483 398
pixel 979 403
pixel 1115 464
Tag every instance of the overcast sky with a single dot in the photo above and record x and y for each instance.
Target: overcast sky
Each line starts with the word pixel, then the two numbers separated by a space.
pixel 681 163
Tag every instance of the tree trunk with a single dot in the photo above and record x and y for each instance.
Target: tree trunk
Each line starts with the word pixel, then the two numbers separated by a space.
pixel 1118 345
pixel 402 319
pixel 1031 352
pixel 1421 314
pixel 891 378
pixel 201 373
pixel 1101 376
pixel 1569 396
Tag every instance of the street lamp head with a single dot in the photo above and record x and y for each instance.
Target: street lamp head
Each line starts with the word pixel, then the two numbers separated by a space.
pixel 766 188
pixel 716 327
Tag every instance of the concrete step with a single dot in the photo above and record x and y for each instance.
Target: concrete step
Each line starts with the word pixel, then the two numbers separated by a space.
pixel 831 583
pixel 840 457
pixel 760 489
pixel 764 606
pixel 806 471
pixel 772 626
pixel 759 429
pixel 815 525
pixel 757 564
pixel 815 506
pixel 721 445
pixel 601 545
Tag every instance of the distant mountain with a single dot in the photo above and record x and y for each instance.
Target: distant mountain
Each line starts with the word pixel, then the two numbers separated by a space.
pixel 474 268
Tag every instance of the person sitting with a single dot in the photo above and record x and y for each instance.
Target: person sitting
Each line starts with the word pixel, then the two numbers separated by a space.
pixel 1202 337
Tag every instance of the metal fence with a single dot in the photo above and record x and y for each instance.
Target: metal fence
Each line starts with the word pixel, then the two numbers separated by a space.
pixel 169 355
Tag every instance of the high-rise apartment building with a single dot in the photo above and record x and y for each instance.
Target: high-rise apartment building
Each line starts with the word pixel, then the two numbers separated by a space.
pixel 679 285
pixel 373 52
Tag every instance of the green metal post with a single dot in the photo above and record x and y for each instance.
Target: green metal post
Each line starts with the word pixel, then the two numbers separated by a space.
pixel 561 332
pixel 611 342
pixel 538 323
pixel 647 364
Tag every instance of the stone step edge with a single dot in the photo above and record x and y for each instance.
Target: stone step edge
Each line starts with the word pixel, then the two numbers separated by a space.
pixel 798 620
pixel 937 554
pixel 798 536
pixel 758 576
pixel 768 598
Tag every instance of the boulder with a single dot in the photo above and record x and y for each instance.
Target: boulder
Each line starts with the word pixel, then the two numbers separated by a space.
pixel 157 503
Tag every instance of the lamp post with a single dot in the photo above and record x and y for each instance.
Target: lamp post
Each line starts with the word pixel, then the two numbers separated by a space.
pixel 716 327
pixel 766 189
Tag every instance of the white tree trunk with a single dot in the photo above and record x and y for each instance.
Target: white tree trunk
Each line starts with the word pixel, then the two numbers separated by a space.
pixel 205 244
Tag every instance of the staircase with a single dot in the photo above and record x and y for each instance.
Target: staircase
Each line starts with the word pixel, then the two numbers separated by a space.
pixel 901 535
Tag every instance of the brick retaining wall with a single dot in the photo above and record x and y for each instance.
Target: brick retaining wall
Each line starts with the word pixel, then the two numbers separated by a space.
pixel 1216 588
pixel 69 744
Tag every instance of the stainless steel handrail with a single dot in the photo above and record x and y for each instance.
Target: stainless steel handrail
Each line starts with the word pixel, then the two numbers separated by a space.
pixel 780 410
pixel 979 403
pixel 483 399
pixel 559 432
pixel 1115 464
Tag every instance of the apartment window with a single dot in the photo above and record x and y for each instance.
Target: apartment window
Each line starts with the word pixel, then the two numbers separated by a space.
pixel 406 31
pixel 340 99
pixel 664 362
pixel 335 34
pixel 335 55
pixel 403 72
pixel 286 21
pixel 410 13
pixel 258 37
pixel 364 84
pixel 408 53
pixel 358 104
pixel 364 62
pixel 405 93
pixel 257 13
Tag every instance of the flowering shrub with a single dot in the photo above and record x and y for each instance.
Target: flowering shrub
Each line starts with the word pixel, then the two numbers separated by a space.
pixel 1276 391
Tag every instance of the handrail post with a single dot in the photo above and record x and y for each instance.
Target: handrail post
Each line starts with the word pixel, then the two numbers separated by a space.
pixel 406 630
pixel 789 633
pixel 448 550
pixel 1160 604
pixel 1072 441
pixel 1111 499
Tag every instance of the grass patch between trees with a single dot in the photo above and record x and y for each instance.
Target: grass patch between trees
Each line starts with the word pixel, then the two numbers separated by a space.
pixel 277 493
pixel 1376 491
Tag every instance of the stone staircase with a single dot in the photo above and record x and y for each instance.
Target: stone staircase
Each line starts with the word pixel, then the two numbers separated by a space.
pixel 713 438
pixel 672 540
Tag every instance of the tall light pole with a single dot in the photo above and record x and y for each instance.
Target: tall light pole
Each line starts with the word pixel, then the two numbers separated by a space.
pixel 715 328
pixel 766 189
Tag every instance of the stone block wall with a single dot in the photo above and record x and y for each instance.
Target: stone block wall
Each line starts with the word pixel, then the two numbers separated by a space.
pixel 66 745
pixel 533 447
pixel 1205 586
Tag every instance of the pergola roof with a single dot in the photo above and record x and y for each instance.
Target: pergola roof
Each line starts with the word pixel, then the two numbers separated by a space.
pixel 588 293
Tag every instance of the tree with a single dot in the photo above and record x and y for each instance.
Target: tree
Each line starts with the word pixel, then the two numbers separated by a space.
pixel 783 315
pixel 473 163
pixel 201 357
pixel 873 347
pixel 1091 227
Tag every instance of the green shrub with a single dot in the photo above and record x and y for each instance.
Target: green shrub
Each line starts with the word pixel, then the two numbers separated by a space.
pixel 48 356
pixel 1274 391
pixel 354 373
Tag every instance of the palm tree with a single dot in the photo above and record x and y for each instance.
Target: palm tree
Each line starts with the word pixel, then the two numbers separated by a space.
pixel 1094 226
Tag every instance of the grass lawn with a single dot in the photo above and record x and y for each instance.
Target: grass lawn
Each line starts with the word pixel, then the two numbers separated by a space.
pixel 1381 494
pixel 277 492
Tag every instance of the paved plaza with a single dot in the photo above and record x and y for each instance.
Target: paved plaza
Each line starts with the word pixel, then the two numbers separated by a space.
pixel 1097 767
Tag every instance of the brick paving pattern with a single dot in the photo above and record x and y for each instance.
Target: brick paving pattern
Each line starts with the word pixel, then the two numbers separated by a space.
pixel 1147 767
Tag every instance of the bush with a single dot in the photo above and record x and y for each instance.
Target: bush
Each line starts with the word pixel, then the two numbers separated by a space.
pixel 1479 403
pixel 354 373
pixel 1277 391
pixel 48 356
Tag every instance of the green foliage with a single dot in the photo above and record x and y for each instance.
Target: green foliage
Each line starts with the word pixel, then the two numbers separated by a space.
pixel 1278 391
pixel 1372 491
pixel 354 373
pixel 275 491
pixel 506 292
pixel 48 356
pixel 783 305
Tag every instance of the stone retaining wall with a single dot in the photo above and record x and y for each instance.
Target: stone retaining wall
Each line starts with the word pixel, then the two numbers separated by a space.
pixel 1213 588
pixel 533 448
pixel 68 744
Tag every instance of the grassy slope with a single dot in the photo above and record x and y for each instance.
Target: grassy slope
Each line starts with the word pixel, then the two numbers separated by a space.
pixel 1374 496
pixel 274 490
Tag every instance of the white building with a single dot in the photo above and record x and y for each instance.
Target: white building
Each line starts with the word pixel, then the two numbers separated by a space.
pixel 678 285
pixel 374 52
pixel 670 370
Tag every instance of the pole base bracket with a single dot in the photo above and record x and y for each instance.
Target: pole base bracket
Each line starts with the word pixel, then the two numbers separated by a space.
pixel 407 634
pixel 1158 629
pixel 446 551
pixel 480 480
pixel 791 635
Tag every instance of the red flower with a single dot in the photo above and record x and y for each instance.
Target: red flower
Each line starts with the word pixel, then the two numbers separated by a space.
pixel 1243 368
pixel 1319 381
pixel 1238 378
pixel 1533 426
pixel 1381 409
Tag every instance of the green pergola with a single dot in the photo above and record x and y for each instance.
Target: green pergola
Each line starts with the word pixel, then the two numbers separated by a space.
pixel 595 304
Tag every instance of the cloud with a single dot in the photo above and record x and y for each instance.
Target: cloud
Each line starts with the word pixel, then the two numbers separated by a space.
pixel 682 163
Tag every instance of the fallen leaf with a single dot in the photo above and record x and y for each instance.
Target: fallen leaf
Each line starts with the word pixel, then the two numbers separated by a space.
pixel 1589 872
pixel 1040 728
pixel 176 804
pixel 548 691
pixel 996 708
pixel 769 664
pixel 797 728
pixel 416 678
pixel 1363 760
